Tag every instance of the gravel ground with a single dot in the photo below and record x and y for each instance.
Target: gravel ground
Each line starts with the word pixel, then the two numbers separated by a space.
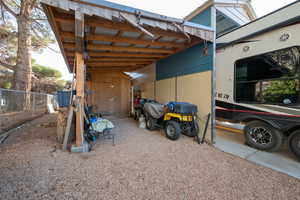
pixel 142 165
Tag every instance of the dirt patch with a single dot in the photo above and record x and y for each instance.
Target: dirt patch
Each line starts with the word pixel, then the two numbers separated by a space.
pixel 142 165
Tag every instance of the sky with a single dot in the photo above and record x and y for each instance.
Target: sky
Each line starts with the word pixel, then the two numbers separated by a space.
pixel 171 8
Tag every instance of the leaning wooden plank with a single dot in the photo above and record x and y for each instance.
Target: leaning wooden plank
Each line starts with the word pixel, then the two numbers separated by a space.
pixel 68 128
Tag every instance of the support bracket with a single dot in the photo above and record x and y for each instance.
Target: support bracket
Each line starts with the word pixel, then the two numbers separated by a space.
pixel 137 25
pixel 181 29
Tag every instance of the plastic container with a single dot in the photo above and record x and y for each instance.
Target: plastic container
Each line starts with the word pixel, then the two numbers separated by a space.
pixel 182 107
pixel 63 98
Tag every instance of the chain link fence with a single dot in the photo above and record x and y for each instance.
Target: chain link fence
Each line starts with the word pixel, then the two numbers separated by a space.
pixel 17 107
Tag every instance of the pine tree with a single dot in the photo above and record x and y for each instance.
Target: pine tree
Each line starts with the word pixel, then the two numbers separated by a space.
pixel 23 28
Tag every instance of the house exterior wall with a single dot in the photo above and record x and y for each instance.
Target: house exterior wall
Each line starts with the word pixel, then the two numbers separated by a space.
pixel 196 88
pixel 186 62
pixel 165 90
pixel 203 18
pixel 186 76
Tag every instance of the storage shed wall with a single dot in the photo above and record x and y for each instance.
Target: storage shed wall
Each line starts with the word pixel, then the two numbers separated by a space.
pixel 109 93
pixel 146 81
pixel 192 60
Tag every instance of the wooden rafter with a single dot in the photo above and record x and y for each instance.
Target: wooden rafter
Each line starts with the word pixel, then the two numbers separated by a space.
pixel 141 36
pixel 121 60
pixel 119 34
pixel 116 64
pixel 120 49
pixel 107 38
pixel 124 69
pixel 134 41
pixel 68 18
pixel 123 55
pixel 128 49
pixel 154 41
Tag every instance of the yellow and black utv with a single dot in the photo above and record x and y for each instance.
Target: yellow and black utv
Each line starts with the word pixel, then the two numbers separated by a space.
pixel 175 118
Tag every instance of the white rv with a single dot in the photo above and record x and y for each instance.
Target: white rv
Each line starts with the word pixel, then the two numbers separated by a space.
pixel 258 73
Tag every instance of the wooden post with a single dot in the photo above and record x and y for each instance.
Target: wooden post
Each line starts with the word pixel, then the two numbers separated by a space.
pixel 80 75
pixel 80 95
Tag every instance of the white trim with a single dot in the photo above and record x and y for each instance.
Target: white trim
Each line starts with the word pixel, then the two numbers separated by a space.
pixel 244 4
pixel 213 76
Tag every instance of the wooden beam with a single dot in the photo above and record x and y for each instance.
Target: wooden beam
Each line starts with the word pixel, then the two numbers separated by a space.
pixel 98 22
pixel 121 60
pixel 115 64
pixel 120 49
pixel 111 67
pixel 67 35
pixel 127 49
pixel 124 69
pixel 117 35
pixel 107 38
pixel 79 31
pixel 133 41
pixel 114 39
pixel 121 55
pixel 80 94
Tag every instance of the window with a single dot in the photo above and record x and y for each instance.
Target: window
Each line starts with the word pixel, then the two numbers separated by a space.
pixel 271 78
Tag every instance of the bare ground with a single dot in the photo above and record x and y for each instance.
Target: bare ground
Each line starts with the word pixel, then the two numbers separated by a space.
pixel 142 165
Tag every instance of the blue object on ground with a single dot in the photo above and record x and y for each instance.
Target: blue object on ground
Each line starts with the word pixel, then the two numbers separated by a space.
pixel 63 98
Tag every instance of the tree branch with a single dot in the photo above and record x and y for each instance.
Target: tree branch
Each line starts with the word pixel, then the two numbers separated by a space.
pixel 8 9
pixel 8 66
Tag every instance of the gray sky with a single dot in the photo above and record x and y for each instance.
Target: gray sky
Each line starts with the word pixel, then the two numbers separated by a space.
pixel 171 8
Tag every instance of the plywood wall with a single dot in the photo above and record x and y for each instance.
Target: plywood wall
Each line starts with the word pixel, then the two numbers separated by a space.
pixel 110 92
pixel 146 81
pixel 147 90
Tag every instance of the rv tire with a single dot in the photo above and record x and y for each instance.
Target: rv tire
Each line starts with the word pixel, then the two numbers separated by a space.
pixel 294 143
pixel 262 136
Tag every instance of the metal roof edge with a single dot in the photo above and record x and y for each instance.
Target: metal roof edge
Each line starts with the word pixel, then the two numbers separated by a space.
pixel 141 12
pixel 210 3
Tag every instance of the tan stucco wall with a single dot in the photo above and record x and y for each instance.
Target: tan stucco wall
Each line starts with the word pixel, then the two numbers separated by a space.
pixel 193 88
pixel 147 90
pixel 196 89
pixel 165 90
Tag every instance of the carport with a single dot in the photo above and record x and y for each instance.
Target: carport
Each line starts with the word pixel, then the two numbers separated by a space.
pixel 101 40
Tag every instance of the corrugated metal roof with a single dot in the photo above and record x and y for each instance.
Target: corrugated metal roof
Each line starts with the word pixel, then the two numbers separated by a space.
pixel 117 12
pixel 117 36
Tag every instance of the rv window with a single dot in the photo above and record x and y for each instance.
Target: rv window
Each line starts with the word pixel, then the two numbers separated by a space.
pixel 269 78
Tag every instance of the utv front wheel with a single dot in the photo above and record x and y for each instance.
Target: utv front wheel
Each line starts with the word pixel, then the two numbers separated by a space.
pixel 172 130
pixel 263 136
pixel 150 123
